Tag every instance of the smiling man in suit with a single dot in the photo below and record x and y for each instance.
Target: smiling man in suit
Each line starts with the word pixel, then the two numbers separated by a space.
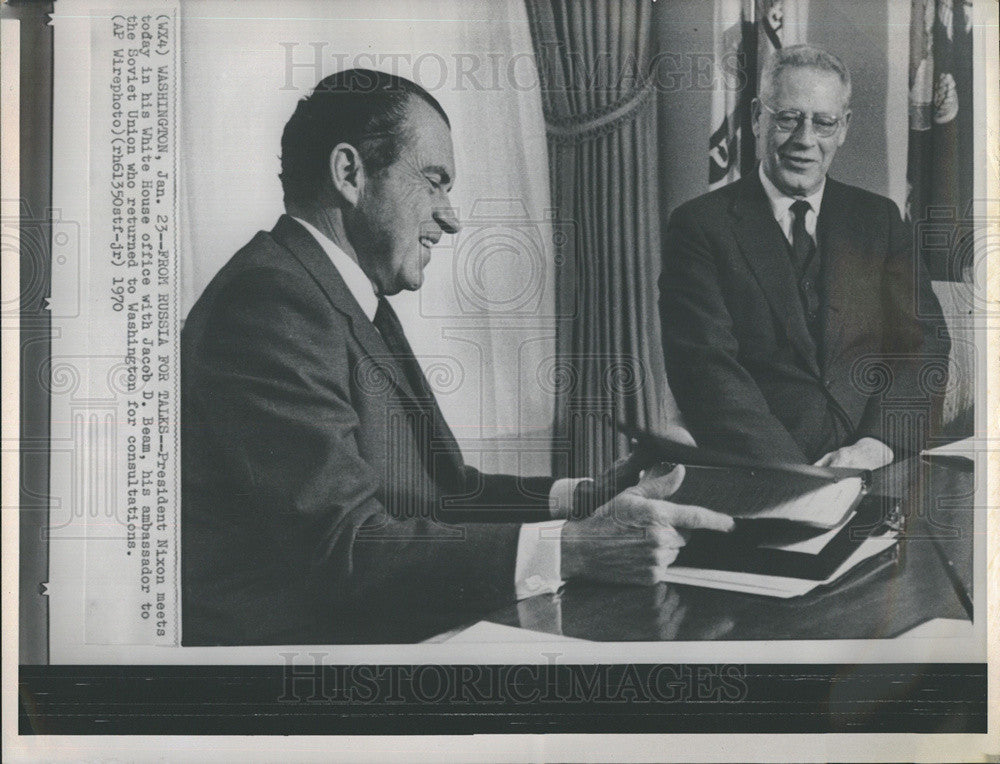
pixel 325 499
pixel 794 306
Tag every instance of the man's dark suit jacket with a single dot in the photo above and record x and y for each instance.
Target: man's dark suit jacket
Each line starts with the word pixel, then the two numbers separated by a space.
pixel 740 359
pixel 308 493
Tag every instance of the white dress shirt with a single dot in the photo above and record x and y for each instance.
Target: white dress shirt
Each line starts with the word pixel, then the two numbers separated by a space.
pixel 781 205
pixel 538 562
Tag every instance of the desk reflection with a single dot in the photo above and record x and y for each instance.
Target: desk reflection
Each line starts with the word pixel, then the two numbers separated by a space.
pixel 646 613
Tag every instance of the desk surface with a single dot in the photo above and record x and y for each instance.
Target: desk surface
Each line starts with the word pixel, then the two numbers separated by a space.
pixel 930 577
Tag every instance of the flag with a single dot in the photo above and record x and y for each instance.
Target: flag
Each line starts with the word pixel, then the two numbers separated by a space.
pixel 747 32
pixel 780 23
pixel 729 92
pixel 940 160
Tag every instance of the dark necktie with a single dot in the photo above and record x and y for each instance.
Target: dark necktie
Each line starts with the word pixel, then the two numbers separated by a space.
pixel 807 268
pixel 442 439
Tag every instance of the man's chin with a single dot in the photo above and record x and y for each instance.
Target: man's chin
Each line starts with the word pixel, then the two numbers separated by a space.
pixel 412 284
pixel 795 183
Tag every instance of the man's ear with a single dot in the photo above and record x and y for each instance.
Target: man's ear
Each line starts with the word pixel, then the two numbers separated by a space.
pixel 347 172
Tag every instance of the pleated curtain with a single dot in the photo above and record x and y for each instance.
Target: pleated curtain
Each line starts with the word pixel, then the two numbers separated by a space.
pixel 600 112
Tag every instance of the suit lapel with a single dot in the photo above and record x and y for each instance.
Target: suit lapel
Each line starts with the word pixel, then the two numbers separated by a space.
pixel 765 249
pixel 838 235
pixel 307 251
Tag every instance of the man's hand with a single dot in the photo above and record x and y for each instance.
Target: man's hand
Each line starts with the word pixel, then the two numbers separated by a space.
pixel 637 534
pixel 867 454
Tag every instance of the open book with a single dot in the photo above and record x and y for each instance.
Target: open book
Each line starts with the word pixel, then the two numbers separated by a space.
pixel 820 497
pixel 793 520
pixel 788 549
pixel 770 494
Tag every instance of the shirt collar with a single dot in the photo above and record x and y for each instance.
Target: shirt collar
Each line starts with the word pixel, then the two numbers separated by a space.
pixel 358 284
pixel 781 203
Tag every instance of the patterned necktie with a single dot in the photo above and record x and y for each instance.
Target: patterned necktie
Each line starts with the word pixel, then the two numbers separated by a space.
pixel 443 440
pixel 807 267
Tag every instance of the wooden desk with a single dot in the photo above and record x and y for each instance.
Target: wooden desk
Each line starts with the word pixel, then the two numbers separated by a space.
pixel 881 598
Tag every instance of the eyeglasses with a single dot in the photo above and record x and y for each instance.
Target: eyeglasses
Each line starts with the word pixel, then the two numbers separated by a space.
pixel 788 120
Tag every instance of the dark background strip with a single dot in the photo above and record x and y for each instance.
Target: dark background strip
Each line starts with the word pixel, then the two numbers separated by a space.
pixel 446 699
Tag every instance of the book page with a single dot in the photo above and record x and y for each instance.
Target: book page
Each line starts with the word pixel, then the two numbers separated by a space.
pixel 824 507
pixel 813 543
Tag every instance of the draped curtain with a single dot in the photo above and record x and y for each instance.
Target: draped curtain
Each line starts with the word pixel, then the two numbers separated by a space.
pixel 600 112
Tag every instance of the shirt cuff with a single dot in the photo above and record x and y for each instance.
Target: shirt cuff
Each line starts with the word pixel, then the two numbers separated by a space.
pixel 538 564
pixel 561 497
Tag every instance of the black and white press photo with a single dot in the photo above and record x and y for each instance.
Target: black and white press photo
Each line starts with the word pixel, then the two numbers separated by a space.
pixel 515 366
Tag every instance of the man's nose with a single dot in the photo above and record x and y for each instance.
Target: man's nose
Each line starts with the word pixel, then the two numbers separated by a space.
pixel 805 131
pixel 447 218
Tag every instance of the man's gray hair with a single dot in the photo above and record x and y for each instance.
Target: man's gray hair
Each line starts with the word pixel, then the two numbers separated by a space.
pixel 802 56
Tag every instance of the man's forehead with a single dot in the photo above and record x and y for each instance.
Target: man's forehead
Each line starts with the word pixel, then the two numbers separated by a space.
pixel 429 126
pixel 802 80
